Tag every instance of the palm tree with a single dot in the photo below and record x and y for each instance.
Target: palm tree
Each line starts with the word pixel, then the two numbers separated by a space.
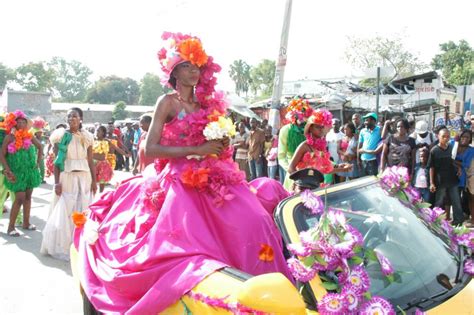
pixel 240 74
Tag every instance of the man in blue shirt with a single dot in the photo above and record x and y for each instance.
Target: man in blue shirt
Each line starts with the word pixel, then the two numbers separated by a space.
pixel 369 139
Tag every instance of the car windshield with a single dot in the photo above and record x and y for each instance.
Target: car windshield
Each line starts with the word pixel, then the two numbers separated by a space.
pixel 419 254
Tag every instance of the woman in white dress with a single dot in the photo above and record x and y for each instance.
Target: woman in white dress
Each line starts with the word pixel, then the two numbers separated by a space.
pixel 75 184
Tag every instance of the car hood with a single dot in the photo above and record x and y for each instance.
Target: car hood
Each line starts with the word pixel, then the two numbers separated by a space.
pixel 461 303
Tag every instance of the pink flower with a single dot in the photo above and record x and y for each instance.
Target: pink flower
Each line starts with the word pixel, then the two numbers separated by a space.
pixel 312 201
pixel 385 264
pixel 11 148
pixel 469 266
pixel 353 298
pixel 300 271
pixel 336 217
pixel 332 303
pixel 354 235
pixel 413 195
pixel 299 250
pixel 377 306
pixel 357 278
pixel 465 239
pixel 419 312
pixel 26 143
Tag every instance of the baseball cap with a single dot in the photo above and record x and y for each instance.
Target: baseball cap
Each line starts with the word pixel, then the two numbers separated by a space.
pixel 370 115
pixel 421 126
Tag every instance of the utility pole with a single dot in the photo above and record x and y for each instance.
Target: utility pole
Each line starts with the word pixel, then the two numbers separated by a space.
pixel 378 92
pixel 274 119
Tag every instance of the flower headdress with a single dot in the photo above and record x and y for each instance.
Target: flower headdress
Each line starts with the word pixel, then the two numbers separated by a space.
pixel 38 124
pixel 11 118
pixel 321 117
pixel 180 48
pixel 298 111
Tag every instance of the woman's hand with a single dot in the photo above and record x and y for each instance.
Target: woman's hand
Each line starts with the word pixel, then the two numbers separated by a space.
pixel 94 187
pixel 226 142
pixel 10 176
pixel 58 189
pixel 210 147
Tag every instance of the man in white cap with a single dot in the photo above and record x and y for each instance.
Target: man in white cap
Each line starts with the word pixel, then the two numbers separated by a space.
pixel 423 138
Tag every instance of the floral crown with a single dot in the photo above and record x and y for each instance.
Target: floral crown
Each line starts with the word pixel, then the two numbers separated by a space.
pixel 11 118
pixel 180 48
pixel 321 117
pixel 298 111
pixel 38 124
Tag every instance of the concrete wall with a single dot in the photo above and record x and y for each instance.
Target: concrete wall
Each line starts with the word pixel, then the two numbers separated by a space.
pixel 32 103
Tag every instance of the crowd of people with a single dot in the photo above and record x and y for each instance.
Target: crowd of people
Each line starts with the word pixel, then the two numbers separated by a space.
pixel 197 203
pixel 439 162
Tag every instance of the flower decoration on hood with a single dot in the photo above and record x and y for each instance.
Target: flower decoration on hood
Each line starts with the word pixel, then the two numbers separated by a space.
pixel 298 111
pixel 180 48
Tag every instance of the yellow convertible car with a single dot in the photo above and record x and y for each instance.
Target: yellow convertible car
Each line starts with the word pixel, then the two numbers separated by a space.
pixel 431 277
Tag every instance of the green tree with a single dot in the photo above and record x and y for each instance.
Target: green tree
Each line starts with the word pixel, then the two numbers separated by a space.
pixel 6 74
pixel 35 77
pixel 365 53
pixel 71 79
pixel 262 77
pixel 240 73
pixel 119 111
pixel 150 89
pixel 456 61
pixel 112 89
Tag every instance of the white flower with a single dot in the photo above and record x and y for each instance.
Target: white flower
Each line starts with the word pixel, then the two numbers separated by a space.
pixel 91 231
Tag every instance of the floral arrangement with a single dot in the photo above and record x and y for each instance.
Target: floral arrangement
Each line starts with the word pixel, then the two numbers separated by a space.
pixel 298 111
pixel 38 124
pixel 334 249
pixel 396 181
pixel 219 128
pixel 321 117
pixel 11 118
pixel 178 48
pixel 22 141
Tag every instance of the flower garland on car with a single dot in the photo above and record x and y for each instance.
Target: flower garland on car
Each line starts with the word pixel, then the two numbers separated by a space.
pixel 334 250
pixel 396 181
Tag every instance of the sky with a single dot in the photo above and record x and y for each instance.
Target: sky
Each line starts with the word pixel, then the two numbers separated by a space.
pixel 122 37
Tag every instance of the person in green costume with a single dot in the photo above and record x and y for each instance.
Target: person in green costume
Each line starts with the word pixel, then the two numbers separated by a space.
pixel 292 134
pixel 20 157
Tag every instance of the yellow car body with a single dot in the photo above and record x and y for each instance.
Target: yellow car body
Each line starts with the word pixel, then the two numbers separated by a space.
pixel 273 293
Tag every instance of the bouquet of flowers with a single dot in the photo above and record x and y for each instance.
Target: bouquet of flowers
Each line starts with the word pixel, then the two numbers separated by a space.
pixel 219 129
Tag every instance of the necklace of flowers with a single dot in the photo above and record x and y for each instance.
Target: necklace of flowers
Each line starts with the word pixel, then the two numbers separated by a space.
pixel 395 181
pixel 318 144
pixel 334 250
pixel 22 141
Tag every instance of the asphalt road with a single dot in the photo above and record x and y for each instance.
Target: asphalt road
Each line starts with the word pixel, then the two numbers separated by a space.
pixel 31 283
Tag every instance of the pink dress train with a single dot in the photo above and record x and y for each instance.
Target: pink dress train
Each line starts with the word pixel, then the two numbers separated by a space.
pixel 163 232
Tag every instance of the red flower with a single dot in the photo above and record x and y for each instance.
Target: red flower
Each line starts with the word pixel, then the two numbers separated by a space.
pixel 266 253
pixel 196 178
pixel 78 218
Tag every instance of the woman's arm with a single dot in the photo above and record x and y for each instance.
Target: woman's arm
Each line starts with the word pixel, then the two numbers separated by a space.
pixel 39 147
pixel 117 148
pixel 6 168
pixel 384 156
pixel 92 169
pixel 299 153
pixel 154 149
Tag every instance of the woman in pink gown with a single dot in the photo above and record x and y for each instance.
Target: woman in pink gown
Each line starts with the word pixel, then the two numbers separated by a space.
pixel 191 213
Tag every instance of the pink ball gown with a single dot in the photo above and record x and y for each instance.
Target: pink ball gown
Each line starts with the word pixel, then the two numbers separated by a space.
pixel 160 234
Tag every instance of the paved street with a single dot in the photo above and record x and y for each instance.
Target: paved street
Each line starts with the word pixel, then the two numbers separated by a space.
pixel 31 283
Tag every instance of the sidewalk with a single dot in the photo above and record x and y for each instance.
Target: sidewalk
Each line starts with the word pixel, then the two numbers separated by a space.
pixel 31 283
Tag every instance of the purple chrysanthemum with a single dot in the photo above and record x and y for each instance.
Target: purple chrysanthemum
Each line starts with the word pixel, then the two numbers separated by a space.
pixel 377 306
pixel 332 303
pixel 385 264
pixel 300 271
pixel 353 298
pixel 359 279
pixel 354 234
pixel 336 217
pixel 413 195
pixel 465 239
pixel 312 201
pixel 299 250
pixel 427 215
pixel 469 266
pixel 419 312
pixel 448 228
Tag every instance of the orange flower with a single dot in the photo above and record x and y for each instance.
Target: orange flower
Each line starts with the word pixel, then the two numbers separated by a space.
pixel 266 253
pixel 196 178
pixel 79 219
pixel 191 50
pixel 214 116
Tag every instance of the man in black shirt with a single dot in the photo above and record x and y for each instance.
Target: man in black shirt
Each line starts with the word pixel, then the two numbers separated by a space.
pixel 443 175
